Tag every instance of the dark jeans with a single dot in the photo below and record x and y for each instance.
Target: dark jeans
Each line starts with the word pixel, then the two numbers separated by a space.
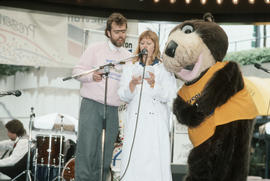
pixel 88 150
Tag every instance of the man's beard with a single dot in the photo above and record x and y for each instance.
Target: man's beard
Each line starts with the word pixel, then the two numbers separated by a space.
pixel 116 43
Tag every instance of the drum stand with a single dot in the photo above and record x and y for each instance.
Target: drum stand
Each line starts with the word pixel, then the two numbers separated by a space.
pixel 28 171
pixel 59 177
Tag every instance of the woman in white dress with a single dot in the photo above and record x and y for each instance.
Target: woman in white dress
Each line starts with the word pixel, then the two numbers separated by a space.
pixel 147 157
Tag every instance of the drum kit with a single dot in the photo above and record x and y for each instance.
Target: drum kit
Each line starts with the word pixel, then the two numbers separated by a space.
pixel 49 159
pixel 51 155
pixel 51 152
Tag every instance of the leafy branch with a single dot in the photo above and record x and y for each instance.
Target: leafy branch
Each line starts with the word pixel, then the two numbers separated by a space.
pixel 7 70
pixel 247 57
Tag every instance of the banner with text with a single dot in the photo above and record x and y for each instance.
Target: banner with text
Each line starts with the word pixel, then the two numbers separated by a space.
pixel 49 39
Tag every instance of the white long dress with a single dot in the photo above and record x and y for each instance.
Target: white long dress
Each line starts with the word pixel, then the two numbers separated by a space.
pixel 150 157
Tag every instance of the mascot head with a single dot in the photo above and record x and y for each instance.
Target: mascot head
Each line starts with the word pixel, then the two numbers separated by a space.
pixel 193 47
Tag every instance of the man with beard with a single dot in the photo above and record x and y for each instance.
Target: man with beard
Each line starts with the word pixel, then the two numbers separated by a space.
pixel 88 153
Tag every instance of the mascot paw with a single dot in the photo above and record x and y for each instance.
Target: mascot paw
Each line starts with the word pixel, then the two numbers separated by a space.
pixel 187 114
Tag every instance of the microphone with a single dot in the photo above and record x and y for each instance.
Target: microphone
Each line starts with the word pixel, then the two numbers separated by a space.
pixel 141 54
pixel 16 93
pixel 144 52
pixel 259 66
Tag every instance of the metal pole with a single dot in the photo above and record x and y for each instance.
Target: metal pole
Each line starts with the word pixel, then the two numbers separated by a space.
pixel 103 138
pixel 27 171
pixel 29 144
pixel 61 145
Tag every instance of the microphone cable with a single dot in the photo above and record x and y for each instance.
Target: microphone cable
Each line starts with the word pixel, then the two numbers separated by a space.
pixel 136 123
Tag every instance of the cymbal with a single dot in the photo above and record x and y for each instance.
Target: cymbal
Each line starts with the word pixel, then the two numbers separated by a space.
pixel 66 127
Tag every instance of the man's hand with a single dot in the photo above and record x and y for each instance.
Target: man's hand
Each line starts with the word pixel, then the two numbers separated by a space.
pixel 97 76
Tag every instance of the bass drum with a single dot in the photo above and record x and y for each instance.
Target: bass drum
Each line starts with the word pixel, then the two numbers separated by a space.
pixel 68 172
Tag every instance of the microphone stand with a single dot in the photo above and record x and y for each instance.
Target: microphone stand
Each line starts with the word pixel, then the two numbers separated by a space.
pixel 16 93
pixel 4 94
pixel 61 149
pixel 137 118
pixel 103 136
pixel 172 138
pixel 123 61
pixel 259 66
pixel 28 171
pixel 60 160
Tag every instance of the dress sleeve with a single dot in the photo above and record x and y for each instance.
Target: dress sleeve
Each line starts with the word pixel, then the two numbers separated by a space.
pixel 165 86
pixel 124 92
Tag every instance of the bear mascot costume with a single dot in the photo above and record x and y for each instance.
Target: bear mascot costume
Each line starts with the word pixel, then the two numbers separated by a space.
pixel 213 102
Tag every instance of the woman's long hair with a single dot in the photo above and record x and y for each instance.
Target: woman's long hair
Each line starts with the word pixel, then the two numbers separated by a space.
pixel 153 36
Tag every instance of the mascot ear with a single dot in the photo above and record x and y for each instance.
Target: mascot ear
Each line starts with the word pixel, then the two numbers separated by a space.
pixel 208 17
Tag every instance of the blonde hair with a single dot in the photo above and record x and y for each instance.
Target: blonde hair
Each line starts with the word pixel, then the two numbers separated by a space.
pixel 153 36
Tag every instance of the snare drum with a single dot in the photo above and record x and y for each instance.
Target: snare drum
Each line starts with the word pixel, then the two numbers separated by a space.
pixel 68 172
pixel 48 149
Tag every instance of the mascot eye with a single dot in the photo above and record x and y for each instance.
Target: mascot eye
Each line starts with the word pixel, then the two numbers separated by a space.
pixel 187 29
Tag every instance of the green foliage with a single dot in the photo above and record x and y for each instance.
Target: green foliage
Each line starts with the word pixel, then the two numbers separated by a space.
pixel 246 57
pixel 6 70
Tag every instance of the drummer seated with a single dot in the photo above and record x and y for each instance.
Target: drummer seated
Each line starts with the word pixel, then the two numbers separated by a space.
pixel 13 160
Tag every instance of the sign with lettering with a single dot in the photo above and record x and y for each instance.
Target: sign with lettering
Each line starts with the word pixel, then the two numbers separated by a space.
pixel 47 39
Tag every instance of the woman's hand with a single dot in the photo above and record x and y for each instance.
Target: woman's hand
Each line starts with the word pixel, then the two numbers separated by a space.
pixel 134 82
pixel 151 80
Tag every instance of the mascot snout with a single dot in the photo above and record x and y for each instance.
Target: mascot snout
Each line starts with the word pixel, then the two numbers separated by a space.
pixel 171 48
